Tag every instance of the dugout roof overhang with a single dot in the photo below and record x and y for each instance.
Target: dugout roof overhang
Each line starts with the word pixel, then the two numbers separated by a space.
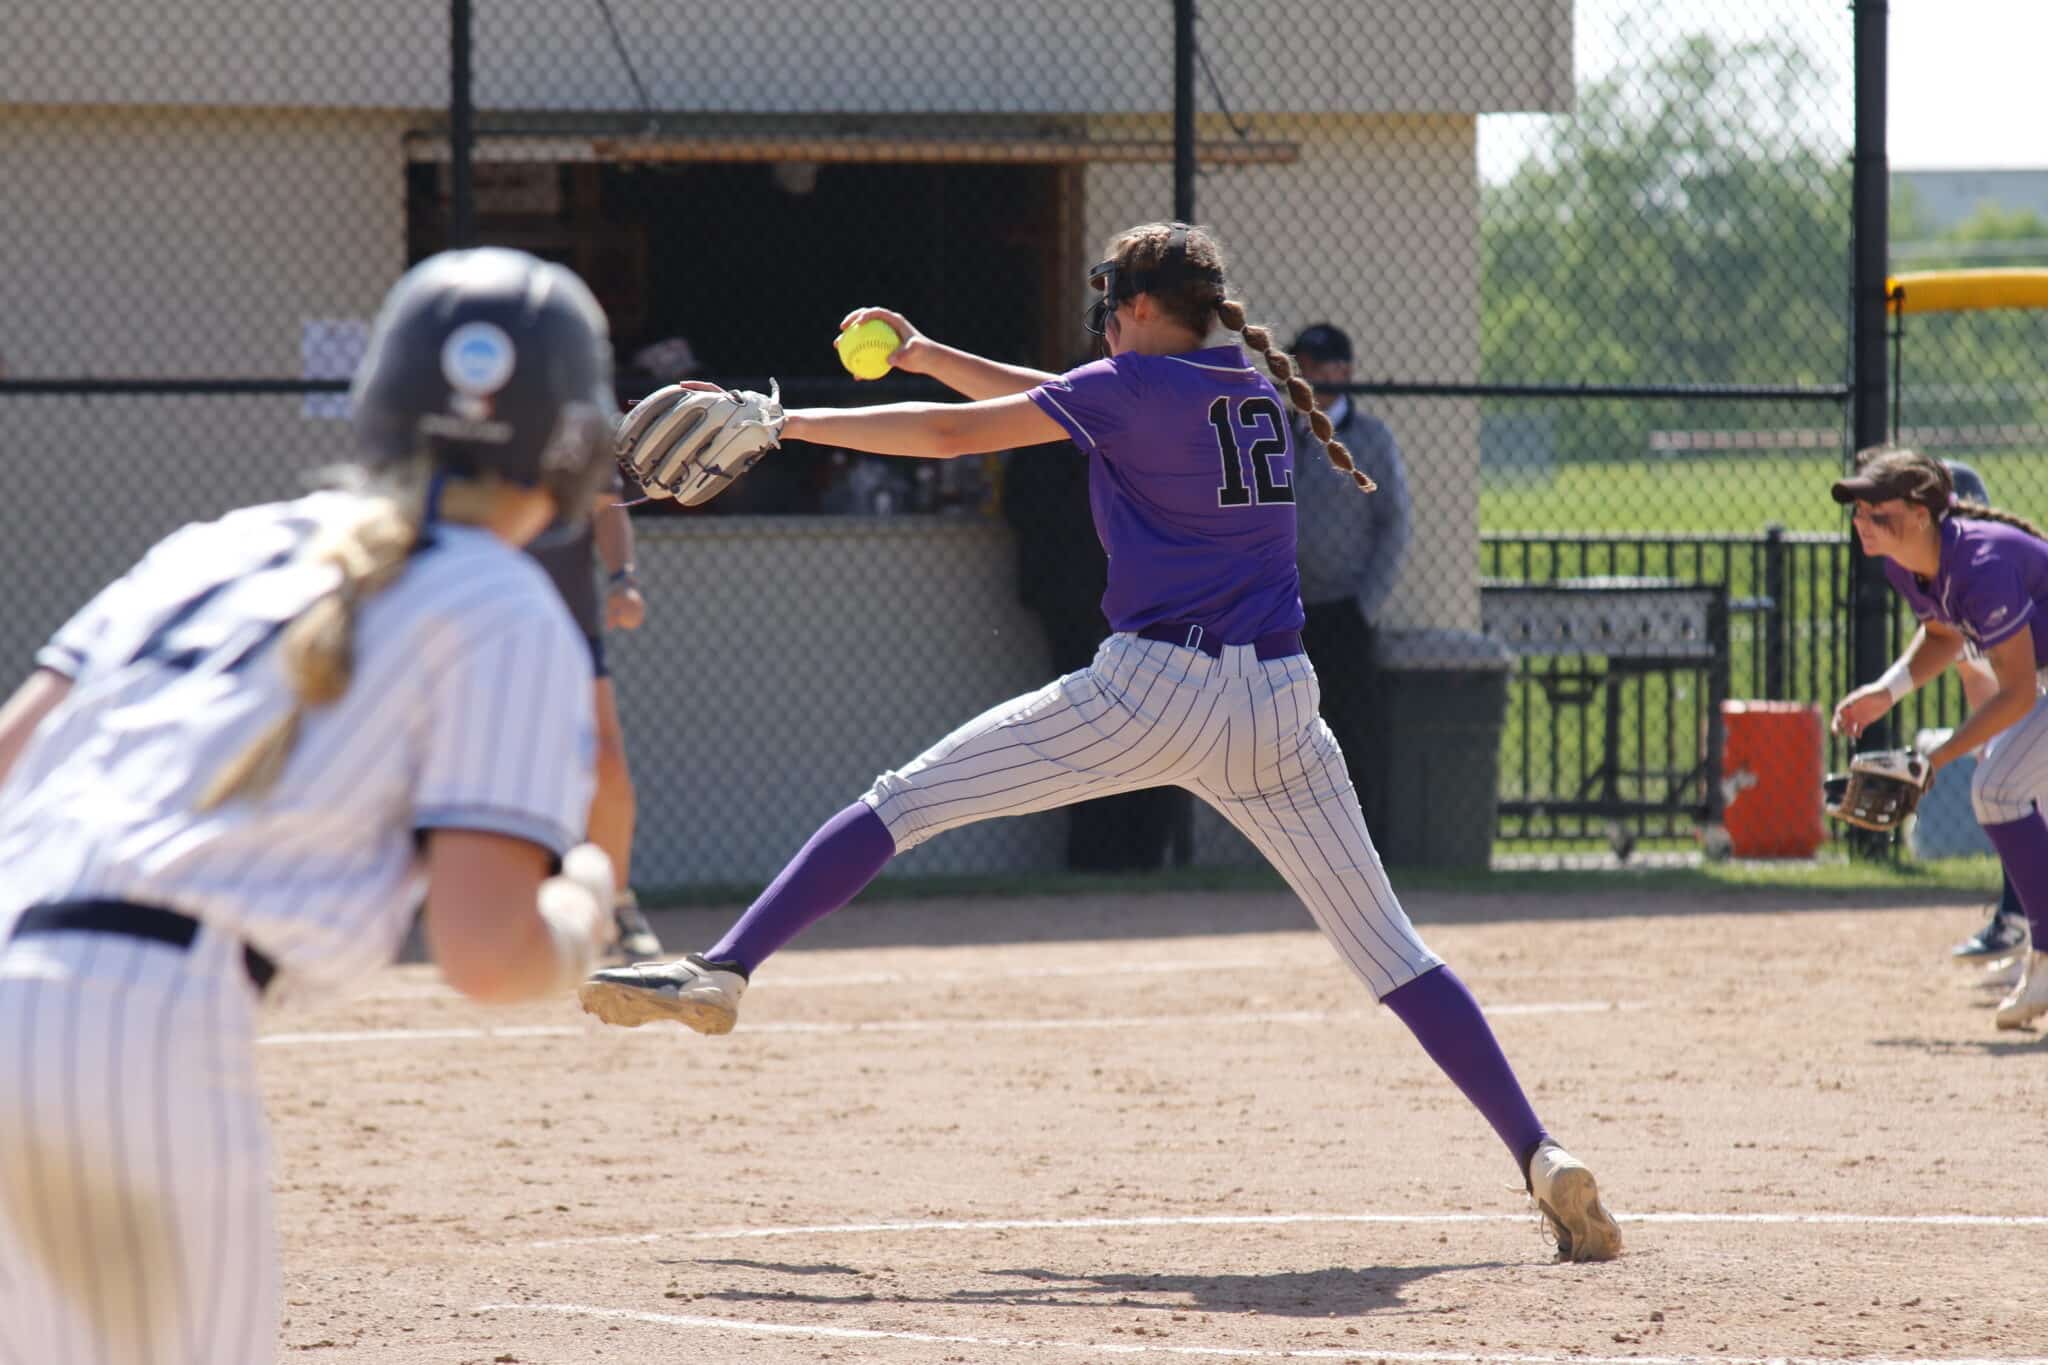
pixel 842 140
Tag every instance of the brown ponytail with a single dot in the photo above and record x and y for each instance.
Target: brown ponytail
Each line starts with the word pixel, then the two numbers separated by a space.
pixel 1299 392
pixel 1197 302
pixel 1977 511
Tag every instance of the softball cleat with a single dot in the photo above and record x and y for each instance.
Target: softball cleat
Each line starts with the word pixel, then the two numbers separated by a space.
pixel 2029 999
pixel 637 941
pixel 693 991
pixel 1569 1199
pixel 1999 936
pixel 2004 973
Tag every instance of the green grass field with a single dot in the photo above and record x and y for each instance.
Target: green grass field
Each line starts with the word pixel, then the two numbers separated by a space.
pixel 1722 493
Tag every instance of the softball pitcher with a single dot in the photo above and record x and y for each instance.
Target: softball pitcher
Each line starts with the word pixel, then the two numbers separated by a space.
pixel 1203 683
pixel 247 759
pixel 1974 577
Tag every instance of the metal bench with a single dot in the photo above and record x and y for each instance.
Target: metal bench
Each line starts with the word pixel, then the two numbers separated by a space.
pixel 1602 638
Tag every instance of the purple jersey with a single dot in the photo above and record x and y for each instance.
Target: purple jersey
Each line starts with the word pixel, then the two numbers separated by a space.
pixel 1992 576
pixel 1191 480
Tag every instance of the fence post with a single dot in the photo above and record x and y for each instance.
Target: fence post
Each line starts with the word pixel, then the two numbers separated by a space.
pixel 1718 683
pixel 1184 110
pixel 1870 597
pixel 1775 621
pixel 461 128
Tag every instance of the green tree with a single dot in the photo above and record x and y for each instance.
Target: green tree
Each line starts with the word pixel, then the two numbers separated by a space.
pixel 1688 224
pixel 1992 235
pixel 1912 221
pixel 1980 369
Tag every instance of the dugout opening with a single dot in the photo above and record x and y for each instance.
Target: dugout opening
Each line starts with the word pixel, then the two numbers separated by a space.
pixel 755 262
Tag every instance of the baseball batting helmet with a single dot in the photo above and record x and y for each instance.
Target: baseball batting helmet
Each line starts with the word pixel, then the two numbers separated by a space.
pixel 492 362
pixel 1968 482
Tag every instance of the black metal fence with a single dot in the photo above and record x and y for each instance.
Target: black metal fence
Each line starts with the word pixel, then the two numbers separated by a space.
pixel 1787 624
pixel 1617 745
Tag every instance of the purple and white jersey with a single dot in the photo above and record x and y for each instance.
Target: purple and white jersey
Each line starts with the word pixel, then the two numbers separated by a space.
pixel 1992 579
pixel 1191 480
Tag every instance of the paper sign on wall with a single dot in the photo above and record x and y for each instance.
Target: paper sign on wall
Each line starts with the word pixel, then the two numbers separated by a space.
pixel 330 348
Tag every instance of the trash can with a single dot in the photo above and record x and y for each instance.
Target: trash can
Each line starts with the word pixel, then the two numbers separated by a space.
pixel 1445 698
pixel 1771 775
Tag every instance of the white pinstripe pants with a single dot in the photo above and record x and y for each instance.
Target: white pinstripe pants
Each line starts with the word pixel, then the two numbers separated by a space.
pixel 2012 768
pixel 136 1219
pixel 1242 735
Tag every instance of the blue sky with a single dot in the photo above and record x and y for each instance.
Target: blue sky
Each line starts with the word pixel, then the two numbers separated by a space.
pixel 1969 84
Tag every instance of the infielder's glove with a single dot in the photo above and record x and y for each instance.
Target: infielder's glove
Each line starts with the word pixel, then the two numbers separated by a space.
pixel 1880 789
pixel 690 444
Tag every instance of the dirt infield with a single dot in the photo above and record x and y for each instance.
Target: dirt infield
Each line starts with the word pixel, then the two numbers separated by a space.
pixel 1173 1128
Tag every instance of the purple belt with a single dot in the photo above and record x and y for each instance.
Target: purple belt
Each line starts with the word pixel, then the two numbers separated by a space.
pixel 1278 644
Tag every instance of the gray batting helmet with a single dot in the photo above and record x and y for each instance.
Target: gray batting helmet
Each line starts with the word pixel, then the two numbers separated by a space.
pixel 1969 484
pixel 492 362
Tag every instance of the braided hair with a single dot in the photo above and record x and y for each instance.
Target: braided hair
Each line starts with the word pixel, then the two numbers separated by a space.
pixel 1926 482
pixel 318 650
pixel 1199 303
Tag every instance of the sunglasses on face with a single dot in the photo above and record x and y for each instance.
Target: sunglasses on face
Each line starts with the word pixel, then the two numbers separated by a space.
pixel 1883 521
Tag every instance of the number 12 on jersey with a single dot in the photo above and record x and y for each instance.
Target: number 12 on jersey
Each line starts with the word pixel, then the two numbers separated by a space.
pixel 1260 419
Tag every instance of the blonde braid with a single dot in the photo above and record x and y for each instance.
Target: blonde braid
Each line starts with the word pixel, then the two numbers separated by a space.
pixel 1299 392
pixel 319 645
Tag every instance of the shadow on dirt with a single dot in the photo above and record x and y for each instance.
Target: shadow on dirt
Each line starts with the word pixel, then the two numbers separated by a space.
pixel 1342 1291
pixel 2014 1044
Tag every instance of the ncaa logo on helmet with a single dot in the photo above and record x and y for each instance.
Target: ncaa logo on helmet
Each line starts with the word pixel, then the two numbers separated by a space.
pixel 477 359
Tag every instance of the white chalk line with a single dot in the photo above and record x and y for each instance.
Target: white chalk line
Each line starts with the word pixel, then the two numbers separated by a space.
pixel 1128 1021
pixel 1360 1352
pixel 1198 1220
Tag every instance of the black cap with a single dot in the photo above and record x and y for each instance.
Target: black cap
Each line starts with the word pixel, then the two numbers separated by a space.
pixel 1322 342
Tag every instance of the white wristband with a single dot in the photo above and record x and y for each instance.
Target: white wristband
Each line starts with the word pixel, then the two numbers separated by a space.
pixel 570 913
pixel 574 906
pixel 1897 680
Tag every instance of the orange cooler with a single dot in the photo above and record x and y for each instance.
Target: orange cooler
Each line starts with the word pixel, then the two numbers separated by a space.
pixel 1771 774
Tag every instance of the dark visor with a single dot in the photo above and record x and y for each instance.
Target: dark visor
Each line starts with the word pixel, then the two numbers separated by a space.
pixel 1104 278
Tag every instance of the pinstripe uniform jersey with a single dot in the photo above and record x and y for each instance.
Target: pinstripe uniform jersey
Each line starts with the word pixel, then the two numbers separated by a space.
pixel 135 1205
pixel 1991 584
pixel 1191 480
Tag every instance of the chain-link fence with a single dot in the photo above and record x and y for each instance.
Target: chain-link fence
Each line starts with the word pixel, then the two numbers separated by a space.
pixel 1968 388
pixel 1582 276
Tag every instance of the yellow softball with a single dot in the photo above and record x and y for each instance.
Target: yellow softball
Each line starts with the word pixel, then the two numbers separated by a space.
pixel 865 349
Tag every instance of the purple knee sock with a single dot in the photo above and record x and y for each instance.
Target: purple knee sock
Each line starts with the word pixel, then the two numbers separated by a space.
pixel 1446 1020
pixel 2023 849
pixel 840 859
